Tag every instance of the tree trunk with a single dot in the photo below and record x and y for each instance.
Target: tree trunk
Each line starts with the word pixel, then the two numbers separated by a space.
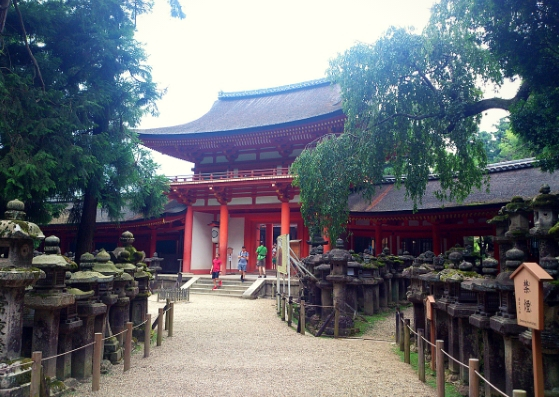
pixel 4 7
pixel 86 230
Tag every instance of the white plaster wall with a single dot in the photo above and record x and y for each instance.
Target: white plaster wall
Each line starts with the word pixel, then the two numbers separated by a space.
pixel 241 201
pixel 267 200
pixel 236 239
pixel 201 241
pixel 202 247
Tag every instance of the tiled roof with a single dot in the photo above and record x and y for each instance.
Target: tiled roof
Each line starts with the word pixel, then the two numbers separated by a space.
pixel 514 178
pixel 260 109
pixel 171 208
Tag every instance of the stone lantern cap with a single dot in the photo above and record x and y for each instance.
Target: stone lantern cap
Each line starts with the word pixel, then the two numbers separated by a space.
pixel 87 261
pixel 15 226
pixel 88 276
pixel 545 199
pixel 20 278
pixel 126 266
pixel 141 273
pixel 51 259
pixel 80 295
pixel 125 277
pixel 127 238
pixel 339 254
pixel 104 265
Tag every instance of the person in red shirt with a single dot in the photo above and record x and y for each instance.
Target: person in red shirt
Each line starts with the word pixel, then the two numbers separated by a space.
pixel 216 268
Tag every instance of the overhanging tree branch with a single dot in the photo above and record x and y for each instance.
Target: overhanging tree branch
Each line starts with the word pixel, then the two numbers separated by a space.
pixel 24 34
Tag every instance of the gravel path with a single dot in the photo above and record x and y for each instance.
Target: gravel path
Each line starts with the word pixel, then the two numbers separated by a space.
pixel 236 347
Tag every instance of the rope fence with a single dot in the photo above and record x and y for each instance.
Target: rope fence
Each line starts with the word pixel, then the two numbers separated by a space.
pixel 37 358
pixel 174 294
pixel 403 332
pixel 286 305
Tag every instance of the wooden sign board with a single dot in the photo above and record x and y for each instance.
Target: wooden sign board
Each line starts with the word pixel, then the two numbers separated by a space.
pixel 282 253
pixel 528 291
pixel 429 301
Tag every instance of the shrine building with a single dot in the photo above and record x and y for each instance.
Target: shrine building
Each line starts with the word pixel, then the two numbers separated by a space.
pixel 239 191
pixel 242 150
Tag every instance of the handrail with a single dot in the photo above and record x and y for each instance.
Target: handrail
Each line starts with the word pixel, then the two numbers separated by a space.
pixel 235 174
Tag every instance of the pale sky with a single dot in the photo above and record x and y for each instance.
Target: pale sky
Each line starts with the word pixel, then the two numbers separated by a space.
pixel 240 45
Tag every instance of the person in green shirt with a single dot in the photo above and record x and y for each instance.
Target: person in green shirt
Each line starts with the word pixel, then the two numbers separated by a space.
pixel 261 253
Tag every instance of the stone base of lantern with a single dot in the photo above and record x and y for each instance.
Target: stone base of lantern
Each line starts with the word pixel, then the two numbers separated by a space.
pixel 113 351
pixel 16 383
pixel 506 326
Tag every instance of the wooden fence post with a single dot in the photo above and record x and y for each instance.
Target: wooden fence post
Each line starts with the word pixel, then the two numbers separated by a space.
pixel 473 383
pixel 97 351
pixel 147 335
pixel 433 338
pixel 36 368
pixel 397 335
pixel 160 321
pixel 282 307
pixel 302 318
pixel 401 333
pixel 421 354
pixel 407 341
pixel 518 393
pixel 290 312
pixel 171 319
pixel 127 346
pixel 440 368
pixel 167 305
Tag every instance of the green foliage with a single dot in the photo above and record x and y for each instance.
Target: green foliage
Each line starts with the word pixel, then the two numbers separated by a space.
pixel 503 144
pixel 364 323
pixel 325 187
pixel 67 135
pixel 413 104
pixel 430 376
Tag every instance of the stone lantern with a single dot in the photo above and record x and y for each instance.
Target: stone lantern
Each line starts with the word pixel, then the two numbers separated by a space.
pixel 16 274
pixel 48 297
pixel 85 287
pixel 546 208
pixel 127 239
pixel 326 287
pixel 108 295
pixel 339 258
pixel 139 305
pixel 154 267
pixel 311 291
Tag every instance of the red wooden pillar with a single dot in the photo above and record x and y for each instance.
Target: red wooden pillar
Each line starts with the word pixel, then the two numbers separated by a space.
pixel 285 217
pixel 223 235
pixel 327 247
pixel 187 242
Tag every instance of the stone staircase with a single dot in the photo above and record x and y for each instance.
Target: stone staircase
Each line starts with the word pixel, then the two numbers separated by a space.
pixel 229 287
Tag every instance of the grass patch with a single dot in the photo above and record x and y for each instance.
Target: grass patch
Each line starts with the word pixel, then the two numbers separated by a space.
pixel 430 375
pixel 364 323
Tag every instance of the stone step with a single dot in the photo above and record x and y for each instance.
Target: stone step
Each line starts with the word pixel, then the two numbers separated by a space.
pixel 219 292
pixel 228 288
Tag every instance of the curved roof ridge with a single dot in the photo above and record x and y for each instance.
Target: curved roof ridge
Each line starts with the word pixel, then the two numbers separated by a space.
pixel 491 168
pixel 273 90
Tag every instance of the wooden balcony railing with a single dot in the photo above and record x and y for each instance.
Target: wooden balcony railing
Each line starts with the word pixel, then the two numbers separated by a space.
pixel 228 175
